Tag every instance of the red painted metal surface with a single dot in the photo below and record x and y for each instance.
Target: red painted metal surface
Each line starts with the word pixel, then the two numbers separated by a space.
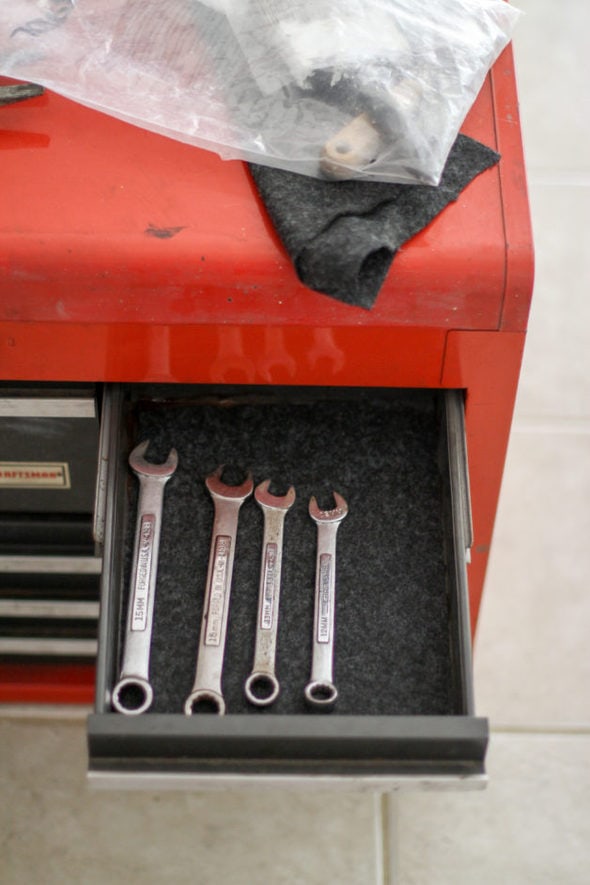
pixel 126 256
pixel 232 354
pixel 487 365
pixel 513 189
pixel 46 683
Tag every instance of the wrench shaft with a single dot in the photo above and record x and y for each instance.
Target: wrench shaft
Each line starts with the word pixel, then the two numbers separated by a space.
pixel 269 591
pixel 218 590
pixel 325 600
pixel 324 608
pixel 271 577
pixel 217 597
pixel 136 656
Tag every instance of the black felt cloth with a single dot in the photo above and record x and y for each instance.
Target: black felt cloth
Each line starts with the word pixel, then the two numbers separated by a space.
pixel 342 236
pixel 393 651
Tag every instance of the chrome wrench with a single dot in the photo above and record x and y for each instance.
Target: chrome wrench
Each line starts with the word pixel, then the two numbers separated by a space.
pixel 227 501
pixel 133 693
pixel 320 690
pixel 262 686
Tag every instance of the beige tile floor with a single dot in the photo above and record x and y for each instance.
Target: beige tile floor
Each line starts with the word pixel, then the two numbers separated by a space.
pixel 53 831
pixel 532 663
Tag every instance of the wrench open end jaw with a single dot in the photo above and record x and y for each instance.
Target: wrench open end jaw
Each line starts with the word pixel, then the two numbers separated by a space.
pixel 219 489
pixel 275 502
pixel 141 467
pixel 337 514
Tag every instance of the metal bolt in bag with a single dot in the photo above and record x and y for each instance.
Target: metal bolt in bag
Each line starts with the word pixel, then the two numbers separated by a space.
pixel 373 89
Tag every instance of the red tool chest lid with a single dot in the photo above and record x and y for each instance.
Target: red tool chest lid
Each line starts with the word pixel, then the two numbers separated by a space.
pixel 105 223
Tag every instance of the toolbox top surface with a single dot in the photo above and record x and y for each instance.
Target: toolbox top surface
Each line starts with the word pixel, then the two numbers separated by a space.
pixel 103 222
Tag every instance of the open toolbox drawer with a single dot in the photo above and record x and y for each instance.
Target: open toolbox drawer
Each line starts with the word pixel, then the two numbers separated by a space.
pixel 402 643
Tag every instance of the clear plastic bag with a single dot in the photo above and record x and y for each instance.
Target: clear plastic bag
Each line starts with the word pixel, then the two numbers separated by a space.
pixel 372 89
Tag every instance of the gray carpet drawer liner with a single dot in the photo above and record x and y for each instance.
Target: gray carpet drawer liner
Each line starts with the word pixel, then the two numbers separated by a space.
pixel 402 654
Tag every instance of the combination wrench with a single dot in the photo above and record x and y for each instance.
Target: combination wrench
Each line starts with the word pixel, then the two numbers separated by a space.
pixel 262 686
pixel 133 693
pixel 227 501
pixel 320 690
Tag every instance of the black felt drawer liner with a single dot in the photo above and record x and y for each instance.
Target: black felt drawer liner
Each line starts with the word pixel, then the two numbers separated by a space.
pixel 395 633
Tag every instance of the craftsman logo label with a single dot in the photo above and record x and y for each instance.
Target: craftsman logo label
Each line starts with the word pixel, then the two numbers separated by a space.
pixel 218 590
pixel 145 547
pixel 269 587
pixel 34 475
pixel 324 598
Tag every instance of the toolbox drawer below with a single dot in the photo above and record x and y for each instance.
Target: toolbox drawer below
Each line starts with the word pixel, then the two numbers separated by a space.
pixel 404 713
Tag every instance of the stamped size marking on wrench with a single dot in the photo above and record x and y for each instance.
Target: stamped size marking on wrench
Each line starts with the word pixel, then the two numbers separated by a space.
pixel 262 686
pixel 227 501
pixel 133 693
pixel 320 689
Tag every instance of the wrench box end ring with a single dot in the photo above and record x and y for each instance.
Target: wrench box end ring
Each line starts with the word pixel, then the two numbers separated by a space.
pixel 132 686
pixel 264 681
pixel 204 695
pixel 321 693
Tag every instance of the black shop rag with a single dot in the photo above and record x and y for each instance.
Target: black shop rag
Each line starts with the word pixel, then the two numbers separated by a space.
pixel 343 236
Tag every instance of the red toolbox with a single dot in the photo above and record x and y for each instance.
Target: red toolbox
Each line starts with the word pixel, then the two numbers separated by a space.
pixel 128 258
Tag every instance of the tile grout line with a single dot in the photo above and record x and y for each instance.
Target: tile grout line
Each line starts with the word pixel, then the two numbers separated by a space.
pixel 557 426
pixel 386 873
pixel 380 842
pixel 543 730
pixel 550 177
